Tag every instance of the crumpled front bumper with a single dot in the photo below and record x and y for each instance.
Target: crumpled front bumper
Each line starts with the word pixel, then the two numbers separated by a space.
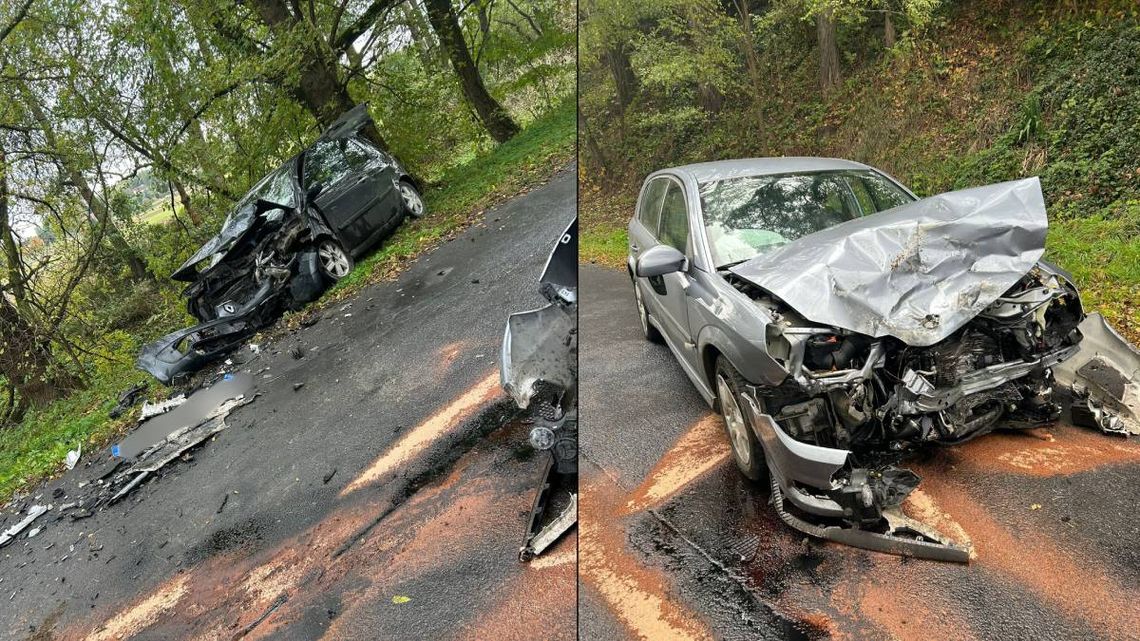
pixel 187 349
pixel 795 466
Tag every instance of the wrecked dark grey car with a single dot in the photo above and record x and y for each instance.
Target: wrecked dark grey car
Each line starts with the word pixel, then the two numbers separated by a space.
pixel 291 237
pixel 539 369
pixel 838 322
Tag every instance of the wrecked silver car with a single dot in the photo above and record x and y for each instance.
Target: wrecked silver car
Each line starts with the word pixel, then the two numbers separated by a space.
pixel 539 370
pixel 838 323
pixel 291 237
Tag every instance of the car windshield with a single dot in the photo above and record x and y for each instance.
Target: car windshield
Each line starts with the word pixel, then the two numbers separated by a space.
pixel 277 188
pixel 747 216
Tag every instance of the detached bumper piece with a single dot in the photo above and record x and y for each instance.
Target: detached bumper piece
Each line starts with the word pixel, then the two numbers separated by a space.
pixel 556 490
pixel 186 350
pixel 1104 377
pixel 904 536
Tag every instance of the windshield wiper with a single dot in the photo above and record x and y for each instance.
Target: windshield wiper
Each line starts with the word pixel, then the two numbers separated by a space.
pixel 732 264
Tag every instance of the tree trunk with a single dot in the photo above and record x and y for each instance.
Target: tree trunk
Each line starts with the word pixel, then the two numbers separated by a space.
pixel 446 26
pixel 828 50
pixel 888 30
pixel 421 35
pixel 710 98
pixel 321 89
pixel 625 81
pixel 192 212
pixel 12 260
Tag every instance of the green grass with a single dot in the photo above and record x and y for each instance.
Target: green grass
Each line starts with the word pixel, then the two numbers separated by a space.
pixel 1102 253
pixel 604 246
pixel 35 448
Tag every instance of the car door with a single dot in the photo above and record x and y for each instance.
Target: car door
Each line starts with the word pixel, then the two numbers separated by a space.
pixel 669 290
pixel 359 199
pixel 643 228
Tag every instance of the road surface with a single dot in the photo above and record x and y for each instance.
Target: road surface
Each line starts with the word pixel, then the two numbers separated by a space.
pixel 676 544
pixel 384 499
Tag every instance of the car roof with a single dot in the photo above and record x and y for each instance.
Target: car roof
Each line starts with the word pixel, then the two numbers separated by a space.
pixel 720 169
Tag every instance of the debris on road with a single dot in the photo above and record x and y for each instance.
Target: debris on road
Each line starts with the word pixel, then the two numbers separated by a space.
pixel 150 410
pixel 277 603
pixel 73 457
pixel 328 477
pixel 539 369
pixel 1088 413
pixel 34 512
pixel 127 399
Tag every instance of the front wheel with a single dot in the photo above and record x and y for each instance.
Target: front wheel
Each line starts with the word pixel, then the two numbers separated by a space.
pixel 335 263
pixel 413 202
pixel 746 449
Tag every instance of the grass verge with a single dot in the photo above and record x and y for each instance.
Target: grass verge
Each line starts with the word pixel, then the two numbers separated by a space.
pixel 35 448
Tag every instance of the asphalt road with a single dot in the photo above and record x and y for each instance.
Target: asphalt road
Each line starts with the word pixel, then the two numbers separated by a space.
pixel 383 499
pixel 676 544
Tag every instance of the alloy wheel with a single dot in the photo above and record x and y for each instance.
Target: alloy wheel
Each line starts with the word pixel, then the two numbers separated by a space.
pixel 333 259
pixel 412 200
pixel 734 419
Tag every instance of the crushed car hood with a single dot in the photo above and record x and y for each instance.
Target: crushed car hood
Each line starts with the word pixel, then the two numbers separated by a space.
pixel 237 224
pixel 917 272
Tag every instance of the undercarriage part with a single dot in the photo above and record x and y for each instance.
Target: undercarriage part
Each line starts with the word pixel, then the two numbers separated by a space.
pixel 903 536
pixel 1088 413
pixel 554 488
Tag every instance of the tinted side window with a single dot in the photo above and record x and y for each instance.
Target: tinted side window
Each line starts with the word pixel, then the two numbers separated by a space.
pixel 367 156
pixel 330 161
pixel 885 194
pixel 650 212
pixel 674 218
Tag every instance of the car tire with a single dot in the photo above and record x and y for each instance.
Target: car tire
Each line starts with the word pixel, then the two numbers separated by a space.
pixel 414 206
pixel 746 449
pixel 334 262
pixel 647 329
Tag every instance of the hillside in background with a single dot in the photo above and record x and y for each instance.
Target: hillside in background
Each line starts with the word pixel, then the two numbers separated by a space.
pixel 981 92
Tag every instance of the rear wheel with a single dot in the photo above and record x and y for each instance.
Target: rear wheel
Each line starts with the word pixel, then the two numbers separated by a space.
pixel 413 202
pixel 746 449
pixel 335 263
pixel 649 331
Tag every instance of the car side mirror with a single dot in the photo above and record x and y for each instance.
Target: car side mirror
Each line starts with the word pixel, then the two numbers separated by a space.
pixel 315 190
pixel 660 260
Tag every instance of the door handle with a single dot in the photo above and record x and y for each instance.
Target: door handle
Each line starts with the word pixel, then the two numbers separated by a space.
pixel 634 248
